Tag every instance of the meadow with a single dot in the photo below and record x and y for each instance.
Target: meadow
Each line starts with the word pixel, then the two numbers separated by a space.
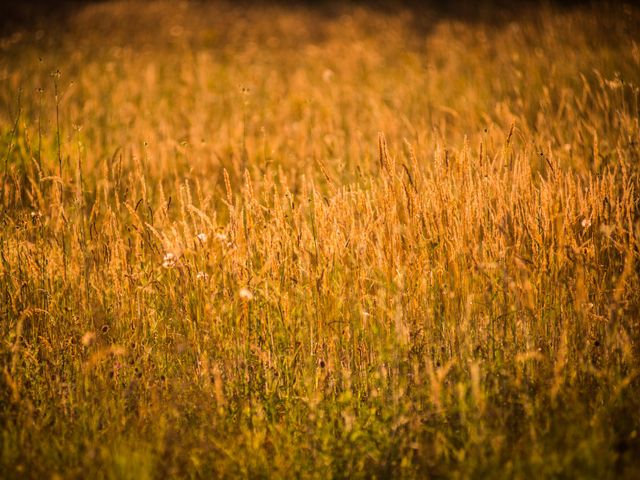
pixel 320 241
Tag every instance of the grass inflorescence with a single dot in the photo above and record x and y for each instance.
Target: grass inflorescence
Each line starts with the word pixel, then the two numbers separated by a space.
pixel 329 241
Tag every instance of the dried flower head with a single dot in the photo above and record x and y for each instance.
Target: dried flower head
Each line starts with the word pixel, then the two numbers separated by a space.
pixel 202 237
pixel 202 275
pixel 169 260
pixel 245 294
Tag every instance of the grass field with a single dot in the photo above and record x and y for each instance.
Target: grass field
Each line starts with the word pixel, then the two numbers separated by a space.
pixel 320 241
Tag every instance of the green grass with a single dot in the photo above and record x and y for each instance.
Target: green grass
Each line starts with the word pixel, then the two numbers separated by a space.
pixel 320 242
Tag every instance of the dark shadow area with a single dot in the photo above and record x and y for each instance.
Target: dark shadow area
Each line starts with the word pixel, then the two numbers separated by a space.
pixel 31 14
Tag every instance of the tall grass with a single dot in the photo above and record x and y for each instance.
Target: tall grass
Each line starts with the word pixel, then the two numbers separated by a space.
pixel 320 242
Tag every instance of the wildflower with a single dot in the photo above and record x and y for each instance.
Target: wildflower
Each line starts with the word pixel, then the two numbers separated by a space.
pixel 36 216
pixel 169 260
pixel 245 294
pixel 202 275
pixel 202 237
pixel 586 223
pixel 221 236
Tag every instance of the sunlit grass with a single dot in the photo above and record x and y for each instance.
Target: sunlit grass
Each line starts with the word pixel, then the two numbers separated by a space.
pixel 320 242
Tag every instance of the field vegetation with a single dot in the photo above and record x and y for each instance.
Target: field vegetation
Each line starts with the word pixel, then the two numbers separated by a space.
pixel 321 241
